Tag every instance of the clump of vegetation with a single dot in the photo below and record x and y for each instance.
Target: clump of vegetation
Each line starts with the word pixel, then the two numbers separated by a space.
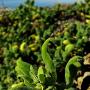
pixel 44 48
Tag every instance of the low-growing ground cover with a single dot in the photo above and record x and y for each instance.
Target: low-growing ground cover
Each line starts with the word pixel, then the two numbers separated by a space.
pixel 45 48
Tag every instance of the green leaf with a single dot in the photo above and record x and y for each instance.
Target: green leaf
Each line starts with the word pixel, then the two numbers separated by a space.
pixel 69 69
pixel 23 68
pixel 57 52
pixel 46 57
pixel 33 74
pixel 41 74
pixel 70 88
pixel 17 86
pixel 68 49
pixel 39 86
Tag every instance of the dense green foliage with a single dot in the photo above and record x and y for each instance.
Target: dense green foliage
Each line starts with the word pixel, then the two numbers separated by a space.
pixel 41 47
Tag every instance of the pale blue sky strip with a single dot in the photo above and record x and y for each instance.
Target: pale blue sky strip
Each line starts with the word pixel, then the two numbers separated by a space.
pixel 15 3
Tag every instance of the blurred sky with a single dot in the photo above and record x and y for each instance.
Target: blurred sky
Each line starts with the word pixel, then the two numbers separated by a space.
pixel 15 3
pixel 52 2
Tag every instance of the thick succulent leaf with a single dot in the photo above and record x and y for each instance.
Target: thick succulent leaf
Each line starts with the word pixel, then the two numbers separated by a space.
pixel 68 49
pixel 46 57
pixel 73 62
